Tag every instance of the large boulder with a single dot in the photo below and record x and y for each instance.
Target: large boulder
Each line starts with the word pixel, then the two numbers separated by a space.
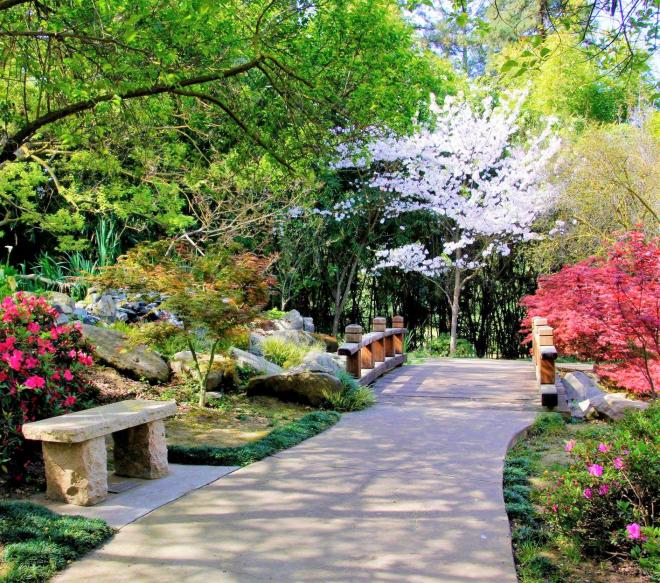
pixel 308 325
pixel 580 386
pixel 302 387
pixel 257 363
pixel 113 348
pixel 62 302
pixel 293 320
pixel 614 405
pixel 221 375
pixel 319 362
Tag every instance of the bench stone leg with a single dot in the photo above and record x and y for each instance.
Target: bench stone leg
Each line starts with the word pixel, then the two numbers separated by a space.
pixel 141 452
pixel 76 473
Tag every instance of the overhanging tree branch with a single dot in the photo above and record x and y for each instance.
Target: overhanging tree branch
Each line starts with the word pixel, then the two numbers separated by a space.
pixel 12 143
pixel 252 134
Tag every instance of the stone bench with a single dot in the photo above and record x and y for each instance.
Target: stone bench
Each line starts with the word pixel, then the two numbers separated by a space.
pixel 75 452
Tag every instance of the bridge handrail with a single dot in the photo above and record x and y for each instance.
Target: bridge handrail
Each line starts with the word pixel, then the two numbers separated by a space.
pixel 371 355
pixel 544 355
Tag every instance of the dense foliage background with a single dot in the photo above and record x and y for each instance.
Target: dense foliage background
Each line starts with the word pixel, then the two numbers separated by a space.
pixel 127 122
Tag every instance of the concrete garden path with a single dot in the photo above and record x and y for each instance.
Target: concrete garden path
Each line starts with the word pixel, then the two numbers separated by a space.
pixel 407 491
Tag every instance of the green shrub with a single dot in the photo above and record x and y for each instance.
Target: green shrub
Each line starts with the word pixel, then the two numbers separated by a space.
pixel 354 397
pixel 440 347
pixel 277 440
pixel 606 498
pixel 286 353
pixel 274 314
pixel 37 542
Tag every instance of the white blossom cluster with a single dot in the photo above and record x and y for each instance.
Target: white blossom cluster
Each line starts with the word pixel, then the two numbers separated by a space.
pixel 466 168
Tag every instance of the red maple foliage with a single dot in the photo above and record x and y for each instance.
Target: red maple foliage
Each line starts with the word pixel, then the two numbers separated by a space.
pixel 607 309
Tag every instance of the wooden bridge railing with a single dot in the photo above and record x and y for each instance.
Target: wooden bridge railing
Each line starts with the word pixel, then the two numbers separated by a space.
pixel 371 355
pixel 544 355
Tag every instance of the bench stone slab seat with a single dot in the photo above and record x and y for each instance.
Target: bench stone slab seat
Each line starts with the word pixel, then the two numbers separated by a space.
pixel 75 453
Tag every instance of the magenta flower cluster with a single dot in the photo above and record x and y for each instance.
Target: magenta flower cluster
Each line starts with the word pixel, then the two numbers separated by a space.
pixel 42 372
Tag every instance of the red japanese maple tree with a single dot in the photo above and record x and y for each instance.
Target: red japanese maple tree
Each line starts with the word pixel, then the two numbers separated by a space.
pixel 607 309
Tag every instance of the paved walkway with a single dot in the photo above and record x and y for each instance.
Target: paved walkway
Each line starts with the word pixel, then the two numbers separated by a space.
pixel 407 491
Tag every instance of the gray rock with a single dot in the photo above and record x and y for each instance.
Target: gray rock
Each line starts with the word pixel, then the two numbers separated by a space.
pixel 580 386
pixel 301 387
pixel 112 348
pixel 319 362
pixel 294 320
pixel 182 364
pixel 308 325
pixel 63 303
pixel 614 405
pixel 258 363
pixel 254 343
pixel 104 307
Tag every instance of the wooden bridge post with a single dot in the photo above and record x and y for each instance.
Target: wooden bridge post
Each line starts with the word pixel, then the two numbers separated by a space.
pixel 378 346
pixel 544 355
pixel 397 339
pixel 353 334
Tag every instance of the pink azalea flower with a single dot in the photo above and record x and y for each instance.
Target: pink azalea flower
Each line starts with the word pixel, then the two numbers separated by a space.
pixel 634 531
pixel 555 507
pixel 73 354
pixel 68 375
pixel 69 402
pixel 603 448
pixel 31 362
pixel 604 489
pixel 596 470
pixel 570 445
pixel 35 382
pixel 587 493
pixel 15 360
pixel 618 463
pixel 33 327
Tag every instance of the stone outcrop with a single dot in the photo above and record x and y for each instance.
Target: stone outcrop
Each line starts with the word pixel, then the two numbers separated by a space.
pixel 319 362
pixel 222 372
pixel 291 327
pixel 587 400
pixel 113 349
pixel 301 387
pixel 257 363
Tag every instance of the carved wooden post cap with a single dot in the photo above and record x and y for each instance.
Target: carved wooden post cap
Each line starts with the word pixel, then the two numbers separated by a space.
pixel 378 324
pixel 397 322
pixel 538 321
pixel 353 333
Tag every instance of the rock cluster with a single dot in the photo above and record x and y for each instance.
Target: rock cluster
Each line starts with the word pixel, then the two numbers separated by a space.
pixel 588 400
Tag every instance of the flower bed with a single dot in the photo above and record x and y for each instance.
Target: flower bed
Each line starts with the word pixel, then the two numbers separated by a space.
pixel 42 374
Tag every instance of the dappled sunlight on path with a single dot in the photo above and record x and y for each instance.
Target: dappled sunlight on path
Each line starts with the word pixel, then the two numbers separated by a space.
pixel 409 490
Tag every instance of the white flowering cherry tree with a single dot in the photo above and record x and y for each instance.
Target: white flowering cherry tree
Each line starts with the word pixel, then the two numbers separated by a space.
pixel 478 177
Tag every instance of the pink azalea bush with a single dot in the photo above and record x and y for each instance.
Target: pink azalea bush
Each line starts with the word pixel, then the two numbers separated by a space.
pixel 607 497
pixel 42 374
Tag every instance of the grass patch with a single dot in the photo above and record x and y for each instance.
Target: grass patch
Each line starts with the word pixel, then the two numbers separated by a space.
pixel 37 542
pixel 354 397
pixel 286 353
pixel 277 440
pixel 231 421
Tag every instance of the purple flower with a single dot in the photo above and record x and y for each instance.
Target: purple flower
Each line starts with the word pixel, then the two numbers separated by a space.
pixel 604 489
pixel 603 447
pixel 596 470
pixel 587 494
pixel 634 531
pixel 569 445
pixel 618 463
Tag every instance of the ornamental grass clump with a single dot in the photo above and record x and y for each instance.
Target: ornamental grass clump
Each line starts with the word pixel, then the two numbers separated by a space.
pixel 607 497
pixel 42 374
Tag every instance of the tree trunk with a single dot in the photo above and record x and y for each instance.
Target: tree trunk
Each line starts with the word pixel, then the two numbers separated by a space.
pixel 341 295
pixel 456 296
